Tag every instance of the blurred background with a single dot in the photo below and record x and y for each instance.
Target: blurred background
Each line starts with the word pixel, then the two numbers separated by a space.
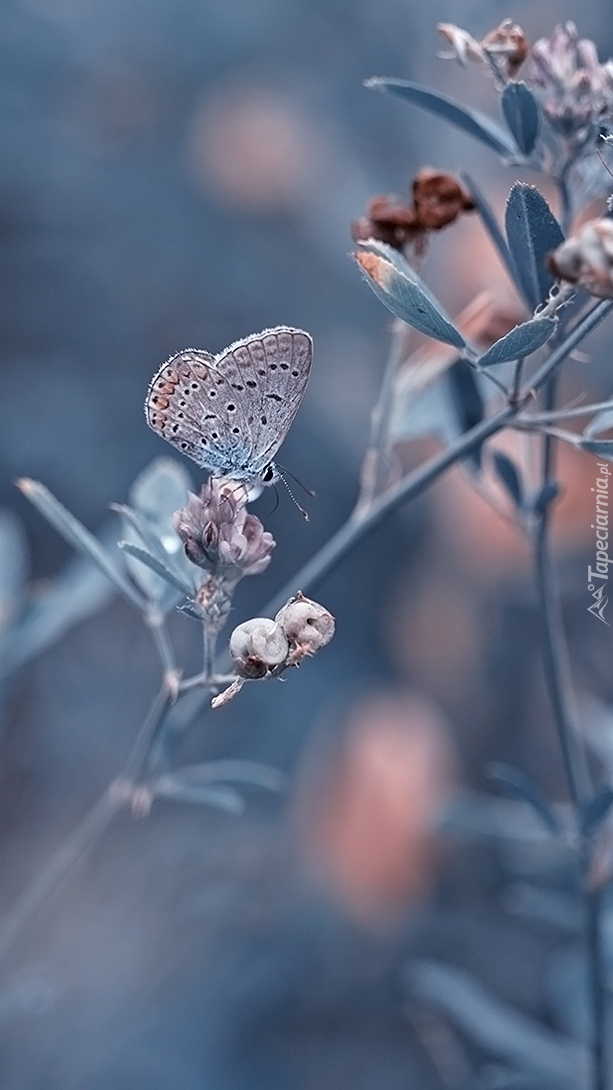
pixel 184 172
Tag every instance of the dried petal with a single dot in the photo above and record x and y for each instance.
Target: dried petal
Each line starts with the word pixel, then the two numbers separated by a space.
pixel 439 199
pixel 218 534
pixel 508 41
pixel 464 48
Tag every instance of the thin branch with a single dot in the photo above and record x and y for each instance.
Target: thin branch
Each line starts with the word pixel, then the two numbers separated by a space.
pixel 87 833
pixel 75 847
pixel 374 466
pixel 157 623
pixel 597 960
pixel 565 414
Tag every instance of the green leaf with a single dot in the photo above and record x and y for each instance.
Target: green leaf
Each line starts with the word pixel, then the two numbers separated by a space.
pixel 509 476
pixel 79 537
pixel 602 447
pixel 497 1028
pixel 473 122
pixel 160 490
pixel 151 561
pixel 521 341
pixel 173 786
pixel 532 232
pixel 406 297
pixel 521 113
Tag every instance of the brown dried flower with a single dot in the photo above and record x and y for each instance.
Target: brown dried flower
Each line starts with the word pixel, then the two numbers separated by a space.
pixel 506 43
pixel 389 219
pixel 587 258
pixel 438 200
pixel 464 47
pixel 509 43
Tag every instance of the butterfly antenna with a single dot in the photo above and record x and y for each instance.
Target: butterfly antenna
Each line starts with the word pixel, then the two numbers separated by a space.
pixel 277 499
pixel 305 514
pixel 309 491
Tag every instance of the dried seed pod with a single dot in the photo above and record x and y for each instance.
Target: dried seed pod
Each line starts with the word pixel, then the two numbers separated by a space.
pixel 306 624
pixel 587 258
pixel 258 646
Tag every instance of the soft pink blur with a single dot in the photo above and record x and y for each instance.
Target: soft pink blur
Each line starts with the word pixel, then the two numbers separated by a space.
pixel 367 811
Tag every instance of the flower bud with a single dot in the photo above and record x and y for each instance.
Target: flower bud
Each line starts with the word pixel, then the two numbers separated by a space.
pixel 257 646
pixel 587 258
pixel 464 48
pixel 219 534
pixel 508 41
pixel 306 624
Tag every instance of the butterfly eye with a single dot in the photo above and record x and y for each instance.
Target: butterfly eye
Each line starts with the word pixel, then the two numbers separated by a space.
pixel 268 474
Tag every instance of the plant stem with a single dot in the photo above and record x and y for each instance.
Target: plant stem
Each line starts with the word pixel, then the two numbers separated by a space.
pixel 87 833
pixel 374 466
pixel 412 485
pixel 559 684
pixel 556 660
pixel 596 958
pixel 355 529
pixel 157 623
pixel 209 640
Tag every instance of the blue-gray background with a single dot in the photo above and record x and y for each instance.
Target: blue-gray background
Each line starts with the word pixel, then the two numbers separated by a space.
pixel 173 173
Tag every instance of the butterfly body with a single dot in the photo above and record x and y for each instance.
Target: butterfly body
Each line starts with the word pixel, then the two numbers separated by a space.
pixel 231 412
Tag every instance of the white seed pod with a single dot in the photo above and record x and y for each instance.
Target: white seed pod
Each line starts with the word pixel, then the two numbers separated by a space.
pixel 258 645
pixel 306 624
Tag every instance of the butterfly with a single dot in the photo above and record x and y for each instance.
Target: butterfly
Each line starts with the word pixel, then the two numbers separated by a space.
pixel 231 412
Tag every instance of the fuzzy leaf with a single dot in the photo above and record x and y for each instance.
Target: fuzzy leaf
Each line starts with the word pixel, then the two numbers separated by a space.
pixel 159 491
pixel 406 298
pixel 509 476
pixel 473 122
pixel 79 537
pixel 532 233
pixel 521 113
pixel 77 592
pixel 514 783
pixel 467 401
pixel 151 561
pixel 521 341
pixel 596 809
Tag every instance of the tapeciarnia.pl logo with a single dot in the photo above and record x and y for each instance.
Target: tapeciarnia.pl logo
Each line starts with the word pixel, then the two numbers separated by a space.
pixel 598 577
